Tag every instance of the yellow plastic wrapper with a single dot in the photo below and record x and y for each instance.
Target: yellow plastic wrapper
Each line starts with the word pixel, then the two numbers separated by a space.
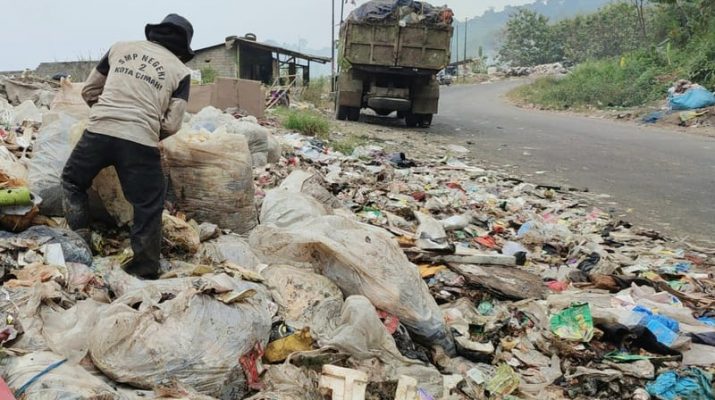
pixel 278 350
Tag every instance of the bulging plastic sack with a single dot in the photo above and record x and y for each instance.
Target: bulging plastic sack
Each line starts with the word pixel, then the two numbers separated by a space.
pixel 213 120
pixel 197 337
pixel 66 381
pixel 69 100
pixel 694 98
pixel 212 178
pixel 257 137
pixel 51 151
pixel 283 209
pixel 361 260
pixel 274 150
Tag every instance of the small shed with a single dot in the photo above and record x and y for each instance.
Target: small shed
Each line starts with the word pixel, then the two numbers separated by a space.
pixel 246 58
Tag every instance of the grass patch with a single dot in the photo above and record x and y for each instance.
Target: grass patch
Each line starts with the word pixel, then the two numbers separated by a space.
pixel 305 122
pixel 347 144
pixel 635 79
pixel 612 83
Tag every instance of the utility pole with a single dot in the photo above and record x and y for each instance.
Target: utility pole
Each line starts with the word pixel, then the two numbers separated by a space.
pixel 332 46
pixel 457 52
pixel 465 38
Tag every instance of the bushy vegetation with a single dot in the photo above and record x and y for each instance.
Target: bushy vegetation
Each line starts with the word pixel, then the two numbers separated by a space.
pixel 318 92
pixel 627 54
pixel 306 122
pixel 208 75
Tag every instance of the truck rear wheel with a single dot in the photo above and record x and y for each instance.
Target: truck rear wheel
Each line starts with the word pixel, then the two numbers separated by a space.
pixel 342 113
pixel 425 120
pixel 412 120
pixel 353 113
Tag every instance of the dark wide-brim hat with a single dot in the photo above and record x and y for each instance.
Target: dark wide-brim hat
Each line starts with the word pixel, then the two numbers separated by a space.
pixel 182 24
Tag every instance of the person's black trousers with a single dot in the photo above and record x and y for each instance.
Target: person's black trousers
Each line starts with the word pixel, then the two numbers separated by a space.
pixel 142 180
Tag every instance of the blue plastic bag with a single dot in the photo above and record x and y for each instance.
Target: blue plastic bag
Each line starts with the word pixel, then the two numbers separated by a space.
pixel 691 384
pixel 665 329
pixel 697 97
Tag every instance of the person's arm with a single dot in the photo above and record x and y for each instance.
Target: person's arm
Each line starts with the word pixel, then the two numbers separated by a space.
pixel 94 86
pixel 174 116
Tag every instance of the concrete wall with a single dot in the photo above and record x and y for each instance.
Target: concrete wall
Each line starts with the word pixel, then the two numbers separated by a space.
pixel 223 61
pixel 79 70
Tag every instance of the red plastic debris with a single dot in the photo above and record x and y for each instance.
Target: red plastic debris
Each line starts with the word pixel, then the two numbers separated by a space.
pixel 5 393
pixel 390 321
pixel 250 362
pixel 419 196
pixel 455 185
pixel 486 241
pixel 558 286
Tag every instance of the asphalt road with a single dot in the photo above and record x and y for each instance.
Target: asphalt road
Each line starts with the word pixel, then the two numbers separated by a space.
pixel 658 178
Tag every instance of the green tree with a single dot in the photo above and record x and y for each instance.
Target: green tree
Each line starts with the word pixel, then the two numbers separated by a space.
pixel 613 30
pixel 529 40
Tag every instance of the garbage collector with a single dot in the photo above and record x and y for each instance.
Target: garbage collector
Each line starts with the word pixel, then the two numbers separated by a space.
pixel 138 95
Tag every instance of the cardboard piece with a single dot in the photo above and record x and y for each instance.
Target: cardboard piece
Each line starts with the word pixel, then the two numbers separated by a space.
pixel 227 92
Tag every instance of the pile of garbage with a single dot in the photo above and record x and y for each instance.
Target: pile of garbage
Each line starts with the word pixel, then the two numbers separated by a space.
pixel 368 275
pixel 537 70
pixel 405 12
pixel 688 104
pixel 685 95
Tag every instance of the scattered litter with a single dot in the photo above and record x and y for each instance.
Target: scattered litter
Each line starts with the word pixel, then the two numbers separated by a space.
pixel 391 271
pixel 573 323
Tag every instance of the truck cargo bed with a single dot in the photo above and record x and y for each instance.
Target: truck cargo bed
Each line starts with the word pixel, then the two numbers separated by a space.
pixel 390 45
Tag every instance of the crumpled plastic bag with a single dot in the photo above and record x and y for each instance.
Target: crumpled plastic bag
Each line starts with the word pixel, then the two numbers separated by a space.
pixel 305 299
pixel 13 172
pixel 212 178
pixel 196 337
pixel 27 112
pixel 228 248
pixel 361 334
pixel 573 323
pixel 288 382
pixel 311 184
pixel 691 384
pixel 7 113
pixel 179 233
pixel 65 331
pixel 359 259
pixel 67 381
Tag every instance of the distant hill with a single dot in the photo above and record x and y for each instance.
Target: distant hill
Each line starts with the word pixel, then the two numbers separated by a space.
pixel 486 30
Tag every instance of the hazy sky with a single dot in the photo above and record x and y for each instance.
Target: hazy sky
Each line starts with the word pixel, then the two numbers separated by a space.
pixel 50 30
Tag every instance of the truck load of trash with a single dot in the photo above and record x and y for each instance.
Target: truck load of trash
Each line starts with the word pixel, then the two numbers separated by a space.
pixel 404 12
pixel 375 274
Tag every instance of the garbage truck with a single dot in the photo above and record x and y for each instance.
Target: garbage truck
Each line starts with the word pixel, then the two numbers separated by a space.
pixel 390 52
